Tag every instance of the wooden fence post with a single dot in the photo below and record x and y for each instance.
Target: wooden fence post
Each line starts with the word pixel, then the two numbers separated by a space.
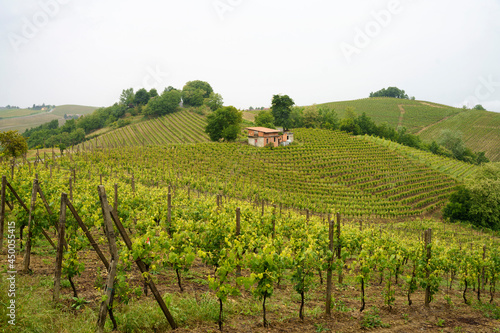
pixel 60 247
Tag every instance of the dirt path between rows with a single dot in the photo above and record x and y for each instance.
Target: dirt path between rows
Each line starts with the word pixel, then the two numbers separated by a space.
pixel 437 122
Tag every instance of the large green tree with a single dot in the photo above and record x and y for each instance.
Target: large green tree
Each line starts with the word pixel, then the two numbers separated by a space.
pixel 224 124
pixel 127 97
pixel 479 200
pixel 167 103
pixel 214 101
pixel 281 109
pixel 141 97
pixel 264 119
pixel 390 92
pixel 13 144
pixel 195 92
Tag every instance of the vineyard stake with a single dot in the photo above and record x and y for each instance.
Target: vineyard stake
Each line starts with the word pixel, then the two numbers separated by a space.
pixel 87 233
pixel 329 271
pixel 114 259
pixel 27 253
pixel 339 246
pixel 169 212
pixel 60 241
pixel 2 210
pixel 427 240
pixel 142 268
pixel 237 233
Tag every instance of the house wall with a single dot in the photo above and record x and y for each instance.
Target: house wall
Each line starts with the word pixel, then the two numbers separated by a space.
pixel 257 141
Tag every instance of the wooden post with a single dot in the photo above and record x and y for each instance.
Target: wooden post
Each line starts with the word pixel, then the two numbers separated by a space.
pixel 70 189
pixel 274 221
pixel 60 247
pixel 169 213
pixel 329 271
pixel 307 215
pixel 237 233
pixel 263 207
pixel 339 246
pixel 2 210
pixel 108 290
pixel 115 203
pixel 142 268
pixel 427 242
pixel 133 184
pixel 27 253
pixel 87 233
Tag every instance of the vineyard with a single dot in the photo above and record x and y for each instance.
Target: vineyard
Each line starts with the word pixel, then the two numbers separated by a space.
pixel 328 171
pixel 219 254
pixel 456 169
pixel 480 130
pixel 414 115
pixel 178 127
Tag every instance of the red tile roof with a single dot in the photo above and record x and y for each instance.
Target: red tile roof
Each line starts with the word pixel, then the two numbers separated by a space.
pixel 263 129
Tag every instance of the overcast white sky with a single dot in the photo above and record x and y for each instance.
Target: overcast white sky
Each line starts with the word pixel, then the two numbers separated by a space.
pixel 87 52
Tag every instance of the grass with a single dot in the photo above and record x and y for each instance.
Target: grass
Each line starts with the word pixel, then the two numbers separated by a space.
pixel 12 113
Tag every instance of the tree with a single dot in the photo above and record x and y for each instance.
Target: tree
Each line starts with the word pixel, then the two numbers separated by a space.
pixel 328 118
pixel 214 101
pixel 479 107
pixel 167 103
pixel 195 92
pixel 224 123
pixel 13 144
pixel 281 108
pixel 453 142
pixel 141 97
pixel 311 116
pixel 127 97
pixel 479 201
pixel 264 119
pixel 153 93
pixel 390 92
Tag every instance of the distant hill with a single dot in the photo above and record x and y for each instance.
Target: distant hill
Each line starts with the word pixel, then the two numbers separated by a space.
pixel 25 118
pixel 480 129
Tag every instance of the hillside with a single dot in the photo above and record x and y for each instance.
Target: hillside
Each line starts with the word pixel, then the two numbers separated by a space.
pixel 25 119
pixel 179 127
pixel 326 171
pixel 480 129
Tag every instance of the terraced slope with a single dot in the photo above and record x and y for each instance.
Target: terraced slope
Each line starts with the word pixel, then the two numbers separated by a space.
pixel 480 131
pixel 178 127
pixel 456 169
pixel 414 115
pixel 327 171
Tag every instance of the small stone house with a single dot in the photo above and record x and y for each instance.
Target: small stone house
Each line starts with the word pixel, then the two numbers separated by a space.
pixel 262 136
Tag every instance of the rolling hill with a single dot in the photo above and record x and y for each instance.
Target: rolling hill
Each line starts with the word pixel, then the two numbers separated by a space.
pixel 23 120
pixel 480 129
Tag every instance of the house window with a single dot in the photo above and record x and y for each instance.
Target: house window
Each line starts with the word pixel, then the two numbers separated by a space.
pixel 267 140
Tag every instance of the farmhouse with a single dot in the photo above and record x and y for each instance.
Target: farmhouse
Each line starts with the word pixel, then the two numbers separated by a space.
pixel 262 136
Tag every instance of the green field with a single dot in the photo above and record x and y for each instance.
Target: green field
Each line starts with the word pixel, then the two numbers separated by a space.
pixel 25 120
pixel 13 113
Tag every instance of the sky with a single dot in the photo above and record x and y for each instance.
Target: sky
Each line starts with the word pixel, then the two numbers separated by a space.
pixel 86 52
